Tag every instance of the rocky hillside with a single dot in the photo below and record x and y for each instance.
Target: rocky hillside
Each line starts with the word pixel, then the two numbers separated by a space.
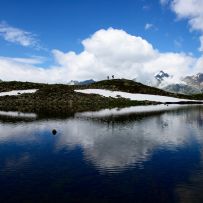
pixel 182 89
pixel 195 81
pixel 129 86
pixel 188 85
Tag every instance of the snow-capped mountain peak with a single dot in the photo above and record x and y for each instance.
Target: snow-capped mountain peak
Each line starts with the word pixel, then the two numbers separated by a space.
pixel 73 82
pixel 161 75
pixel 198 77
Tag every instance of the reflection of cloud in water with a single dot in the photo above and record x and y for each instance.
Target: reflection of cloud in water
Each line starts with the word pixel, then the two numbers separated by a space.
pixel 120 145
pixel 17 114
pixel 112 146
pixel 133 109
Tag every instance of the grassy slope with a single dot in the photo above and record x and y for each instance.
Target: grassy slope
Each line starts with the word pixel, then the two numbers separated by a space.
pixel 55 99
pixel 131 87
pixel 8 86
pixel 62 99
pixel 134 87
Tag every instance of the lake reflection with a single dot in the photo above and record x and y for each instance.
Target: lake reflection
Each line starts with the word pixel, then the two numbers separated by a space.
pixel 126 155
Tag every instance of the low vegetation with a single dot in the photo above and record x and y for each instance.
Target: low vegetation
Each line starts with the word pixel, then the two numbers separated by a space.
pixel 57 99
pixel 14 85
pixel 62 99
pixel 131 87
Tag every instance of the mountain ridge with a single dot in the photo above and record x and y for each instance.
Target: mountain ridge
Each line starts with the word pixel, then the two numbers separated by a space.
pixel 188 85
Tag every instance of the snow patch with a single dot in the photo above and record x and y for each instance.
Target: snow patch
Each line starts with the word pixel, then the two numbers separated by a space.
pixel 131 96
pixel 18 114
pixel 132 110
pixel 17 92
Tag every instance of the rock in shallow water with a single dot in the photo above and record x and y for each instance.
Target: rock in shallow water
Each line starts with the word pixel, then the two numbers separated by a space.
pixel 54 131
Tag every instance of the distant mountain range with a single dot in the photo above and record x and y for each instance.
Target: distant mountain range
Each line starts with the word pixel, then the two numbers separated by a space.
pixel 85 82
pixel 188 85
pixel 182 89
pixel 195 81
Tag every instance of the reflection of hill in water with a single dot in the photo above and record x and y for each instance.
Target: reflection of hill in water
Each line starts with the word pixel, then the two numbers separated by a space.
pixel 118 143
pixel 13 117
pixel 137 112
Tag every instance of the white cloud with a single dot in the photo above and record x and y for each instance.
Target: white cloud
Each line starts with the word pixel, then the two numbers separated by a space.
pixel 34 60
pixel 192 10
pixel 146 7
pixel 178 42
pixel 199 65
pixel 164 2
pixel 149 26
pixel 106 52
pixel 17 36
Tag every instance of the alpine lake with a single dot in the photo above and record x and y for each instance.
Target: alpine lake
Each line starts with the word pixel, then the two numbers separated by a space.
pixel 143 154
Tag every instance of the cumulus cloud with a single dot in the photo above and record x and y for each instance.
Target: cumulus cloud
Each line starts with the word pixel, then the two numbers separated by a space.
pixel 106 52
pixel 192 10
pixel 199 65
pixel 17 36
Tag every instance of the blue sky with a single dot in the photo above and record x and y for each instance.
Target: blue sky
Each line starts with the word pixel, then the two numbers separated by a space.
pixel 63 24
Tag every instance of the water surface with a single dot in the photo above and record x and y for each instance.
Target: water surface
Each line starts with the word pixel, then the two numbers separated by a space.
pixel 137 154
